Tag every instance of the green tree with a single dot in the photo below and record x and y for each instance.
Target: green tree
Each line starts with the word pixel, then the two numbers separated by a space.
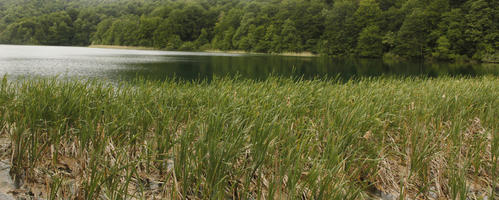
pixel 272 36
pixel 189 21
pixel 123 31
pixel 443 49
pixel 411 38
pixel 83 30
pixel 480 31
pixel 408 28
pixel 100 35
pixel 453 25
pixel 203 39
pixel 289 37
pixel 256 38
pixel 57 29
pixel 145 33
pixel 368 13
pixel 370 42
pixel 162 34
pixel 22 32
pixel 340 35
pixel 224 41
pixel 174 42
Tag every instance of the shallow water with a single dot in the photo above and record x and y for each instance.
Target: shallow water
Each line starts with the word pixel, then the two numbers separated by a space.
pixel 120 64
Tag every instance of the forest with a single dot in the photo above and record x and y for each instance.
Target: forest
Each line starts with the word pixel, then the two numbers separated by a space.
pixel 450 30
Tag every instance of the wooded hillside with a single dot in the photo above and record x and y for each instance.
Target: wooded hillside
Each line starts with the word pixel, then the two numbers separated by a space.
pixel 438 29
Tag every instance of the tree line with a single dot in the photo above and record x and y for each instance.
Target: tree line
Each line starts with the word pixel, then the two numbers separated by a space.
pixel 414 29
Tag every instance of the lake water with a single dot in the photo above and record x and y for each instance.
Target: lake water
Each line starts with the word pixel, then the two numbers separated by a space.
pixel 119 64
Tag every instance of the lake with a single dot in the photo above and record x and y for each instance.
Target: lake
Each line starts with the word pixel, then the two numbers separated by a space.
pixel 120 64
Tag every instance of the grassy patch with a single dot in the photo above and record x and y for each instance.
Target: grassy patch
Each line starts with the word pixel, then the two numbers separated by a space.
pixel 279 138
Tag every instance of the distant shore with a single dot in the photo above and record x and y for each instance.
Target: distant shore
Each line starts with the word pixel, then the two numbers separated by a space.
pixel 298 54
pixel 122 47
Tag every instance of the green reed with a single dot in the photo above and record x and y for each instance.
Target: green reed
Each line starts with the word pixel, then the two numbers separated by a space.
pixel 244 139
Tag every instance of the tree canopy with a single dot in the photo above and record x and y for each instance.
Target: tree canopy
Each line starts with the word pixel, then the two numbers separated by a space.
pixel 439 29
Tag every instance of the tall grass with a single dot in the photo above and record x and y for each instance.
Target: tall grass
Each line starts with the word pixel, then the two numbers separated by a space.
pixel 242 139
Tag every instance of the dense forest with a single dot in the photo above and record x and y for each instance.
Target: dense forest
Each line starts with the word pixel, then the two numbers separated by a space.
pixel 430 29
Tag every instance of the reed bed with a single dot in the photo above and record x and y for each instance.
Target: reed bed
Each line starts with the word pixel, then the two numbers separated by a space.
pixel 281 138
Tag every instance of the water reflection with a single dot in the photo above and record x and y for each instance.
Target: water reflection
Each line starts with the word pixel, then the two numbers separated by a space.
pixel 120 64
pixel 260 67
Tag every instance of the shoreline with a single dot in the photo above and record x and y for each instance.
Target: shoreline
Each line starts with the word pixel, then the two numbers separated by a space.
pixel 121 47
pixel 296 54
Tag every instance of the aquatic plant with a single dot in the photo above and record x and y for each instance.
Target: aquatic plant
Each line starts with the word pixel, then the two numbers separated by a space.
pixel 241 139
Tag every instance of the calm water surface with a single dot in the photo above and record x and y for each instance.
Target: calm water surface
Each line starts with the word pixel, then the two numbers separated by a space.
pixel 118 64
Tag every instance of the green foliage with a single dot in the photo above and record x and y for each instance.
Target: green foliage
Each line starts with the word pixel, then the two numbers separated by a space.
pixel 278 138
pixel 368 13
pixel 406 28
pixel 480 28
pixel 340 34
pixel 203 38
pixel 370 42
pixel 22 32
pixel 224 41
pixel 123 31
pixel 173 42
pixel 411 38
pixel 289 39
pixel 189 21
pixel 443 48
pixel 161 35
pixel 187 46
pixel 453 24
pixel 146 29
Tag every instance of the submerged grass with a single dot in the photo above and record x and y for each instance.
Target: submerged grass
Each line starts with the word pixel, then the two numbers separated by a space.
pixel 243 139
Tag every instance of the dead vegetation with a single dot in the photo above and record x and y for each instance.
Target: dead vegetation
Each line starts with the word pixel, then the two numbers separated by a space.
pixel 276 139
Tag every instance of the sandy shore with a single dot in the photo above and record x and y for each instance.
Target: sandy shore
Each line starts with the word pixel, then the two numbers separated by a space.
pixel 121 47
pixel 298 54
